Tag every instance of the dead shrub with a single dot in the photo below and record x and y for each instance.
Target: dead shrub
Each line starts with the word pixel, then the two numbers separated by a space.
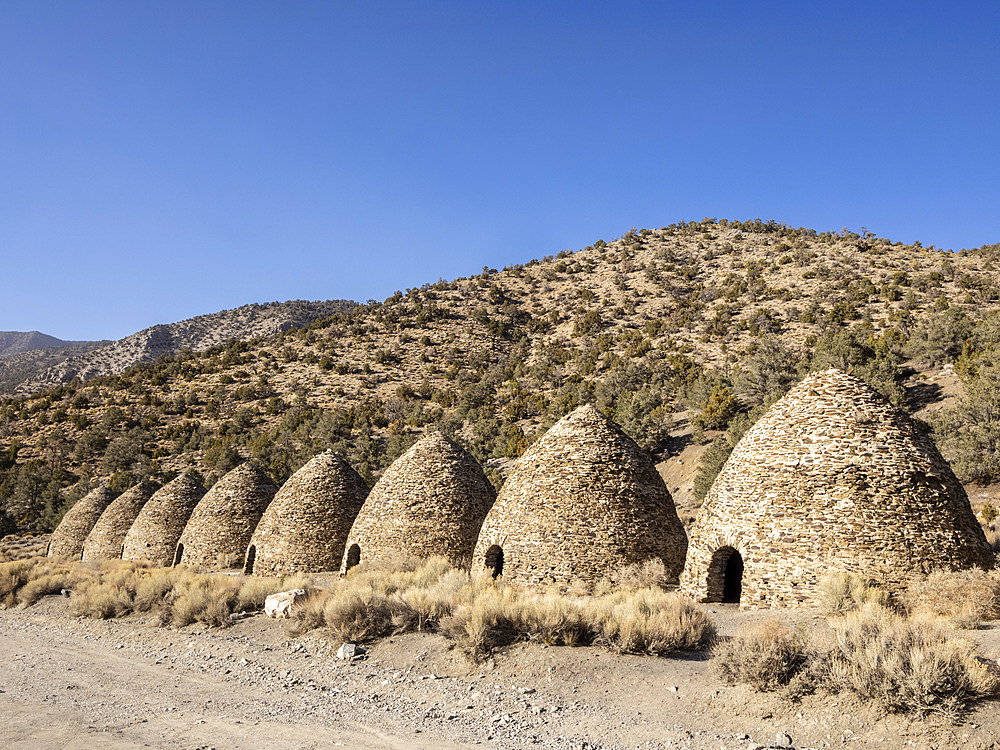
pixel 909 665
pixel 154 587
pixel 13 575
pixel 254 590
pixel 362 615
pixel 651 621
pixel 967 597
pixel 645 575
pixel 100 599
pixel 767 657
pixel 489 622
pixel 309 614
pixel 840 593
pixel 642 622
pixel 48 578
pixel 206 599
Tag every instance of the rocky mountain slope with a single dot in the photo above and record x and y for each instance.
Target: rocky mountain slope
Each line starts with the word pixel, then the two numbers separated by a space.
pixel 194 334
pixel 677 333
pixel 15 342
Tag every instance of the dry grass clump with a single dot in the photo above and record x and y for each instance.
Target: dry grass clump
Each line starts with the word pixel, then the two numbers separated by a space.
pixel 768 657
pixel 100 600
pixel 649 574
pixel 908 664
pixel 13 575
pixel 650 621
pixel 901 664
pixel 840 593
pixel 966 597
pixel 384 597
pixel 178 596
pixel 24 582
pixel 498 616
pixel 391 597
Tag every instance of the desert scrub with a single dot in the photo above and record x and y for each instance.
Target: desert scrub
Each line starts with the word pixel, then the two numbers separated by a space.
pixel 767 657
pixel 650 621
pixel 379 599
pixel 386 597
pixel 24 582
pixel 100 599
pixel 909 665
pixel 967 597
pixel 498 616
pixel 178 595
pixel 900 664
pixel 649 574
pixel 841 592
pixel 50 578
pixel 13 575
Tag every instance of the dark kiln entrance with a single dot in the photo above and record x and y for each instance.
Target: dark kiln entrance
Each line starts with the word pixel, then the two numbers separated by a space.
pixel 494 560
pixel 725 576
pixel 732 583
pixel 353 557
pixel 251 557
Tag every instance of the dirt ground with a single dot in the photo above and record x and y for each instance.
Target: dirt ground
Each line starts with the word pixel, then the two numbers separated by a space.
pixel 76 683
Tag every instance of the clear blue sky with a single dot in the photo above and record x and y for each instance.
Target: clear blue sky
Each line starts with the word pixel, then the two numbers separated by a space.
pixel 163 160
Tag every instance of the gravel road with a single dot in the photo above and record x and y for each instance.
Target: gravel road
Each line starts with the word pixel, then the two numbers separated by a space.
pixel 75 683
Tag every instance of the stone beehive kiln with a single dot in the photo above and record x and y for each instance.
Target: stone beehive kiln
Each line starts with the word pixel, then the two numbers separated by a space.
pixel 830 478
pixel 157 529
pixel 581 503
pixel 305 527
pixel 69 536
pixel 430 501
pixel 222 523
pixel 107 539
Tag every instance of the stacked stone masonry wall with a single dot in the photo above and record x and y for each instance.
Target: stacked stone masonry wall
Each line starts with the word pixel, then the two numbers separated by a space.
pixel 305 527
pixel 107 539
pixel 158 527
pixel 831 478
pixel 68 538
pixel 430 501
pixel 583 502
pixel 222 523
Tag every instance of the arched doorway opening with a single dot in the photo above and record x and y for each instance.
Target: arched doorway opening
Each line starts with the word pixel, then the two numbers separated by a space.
pixel 494 560
pixel 725 576
pixel 732 581
pixel 178 554
pixel 353 557
pixel 251 557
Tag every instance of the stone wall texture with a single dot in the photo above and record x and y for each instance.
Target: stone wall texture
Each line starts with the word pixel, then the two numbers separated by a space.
pixel 69 536
pixel 430 501
pixel 157 529
pixel 582 502
pixel 222 523
pixel 107 539
pixel 831 478
pixel 305 527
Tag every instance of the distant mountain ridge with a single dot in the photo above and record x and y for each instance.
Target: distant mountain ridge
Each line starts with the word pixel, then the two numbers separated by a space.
pixel 28 371
pixel 16 342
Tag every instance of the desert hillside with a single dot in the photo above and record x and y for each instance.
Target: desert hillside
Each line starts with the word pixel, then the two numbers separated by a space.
pixel 41 367
pixel 681 334
pixel 16 342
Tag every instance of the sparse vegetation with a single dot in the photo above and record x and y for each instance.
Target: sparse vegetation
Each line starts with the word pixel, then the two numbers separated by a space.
pixel 900 664
pixel 706 316
pixel 967 597
pixel 840 593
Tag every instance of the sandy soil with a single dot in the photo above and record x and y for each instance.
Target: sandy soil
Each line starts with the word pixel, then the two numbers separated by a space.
pixel 75 683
